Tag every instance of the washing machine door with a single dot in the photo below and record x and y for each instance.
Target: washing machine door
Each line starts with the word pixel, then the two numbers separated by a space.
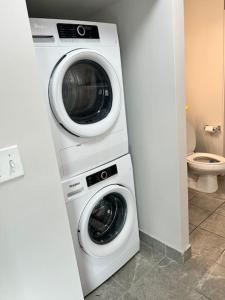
pixel 85 93
pixel 107 221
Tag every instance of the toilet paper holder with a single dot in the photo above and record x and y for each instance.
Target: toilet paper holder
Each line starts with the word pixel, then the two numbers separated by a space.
pixel 212 129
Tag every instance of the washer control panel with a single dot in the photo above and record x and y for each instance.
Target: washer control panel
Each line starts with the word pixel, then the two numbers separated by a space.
pixel 101 175
pixel 77 31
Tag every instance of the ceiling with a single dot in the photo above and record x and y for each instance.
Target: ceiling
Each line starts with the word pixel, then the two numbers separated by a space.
pixel 65 9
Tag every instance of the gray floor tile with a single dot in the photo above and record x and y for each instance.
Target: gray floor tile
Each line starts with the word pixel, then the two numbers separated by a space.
pixel 170 280
pixel 215 223
pixel 221 210
pixel 197 215
pixel 128 296
pixel 220 193
pixel 221 260
pixel 190 194
pixel 109 290
pixel 194 295
pixel 207 245
pixel 191 228
pixel 206 202
pixel 152 256
pixel 136 268
pixel 212 284
pixel 152 286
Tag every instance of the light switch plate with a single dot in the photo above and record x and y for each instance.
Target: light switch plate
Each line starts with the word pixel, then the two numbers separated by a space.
pixel 10 164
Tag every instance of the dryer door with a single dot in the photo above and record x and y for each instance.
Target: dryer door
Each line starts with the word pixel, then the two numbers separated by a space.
pixel 107 221
pixel 85 93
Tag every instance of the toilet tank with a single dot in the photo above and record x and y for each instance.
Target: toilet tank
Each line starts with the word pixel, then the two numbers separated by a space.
pixel 191 138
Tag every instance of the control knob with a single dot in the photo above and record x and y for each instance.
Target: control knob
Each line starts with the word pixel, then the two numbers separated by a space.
pixel 81 30
pixel 104 175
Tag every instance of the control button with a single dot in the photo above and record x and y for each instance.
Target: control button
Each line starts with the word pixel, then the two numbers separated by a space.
pixel 81 30
pixel 104 175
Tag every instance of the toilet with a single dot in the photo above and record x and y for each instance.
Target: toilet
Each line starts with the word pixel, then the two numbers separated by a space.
pixel 203 167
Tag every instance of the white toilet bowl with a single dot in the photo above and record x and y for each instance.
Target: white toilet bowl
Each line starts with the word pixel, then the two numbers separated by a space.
pixel 204 166
pixel 207 167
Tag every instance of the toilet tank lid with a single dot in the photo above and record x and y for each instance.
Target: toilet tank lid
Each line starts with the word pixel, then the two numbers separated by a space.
pixel 191 138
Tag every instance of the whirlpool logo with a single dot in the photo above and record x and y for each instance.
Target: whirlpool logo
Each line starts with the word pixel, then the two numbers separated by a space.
pixel 74 185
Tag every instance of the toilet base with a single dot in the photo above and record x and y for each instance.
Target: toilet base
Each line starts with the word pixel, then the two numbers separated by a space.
pixel 204 183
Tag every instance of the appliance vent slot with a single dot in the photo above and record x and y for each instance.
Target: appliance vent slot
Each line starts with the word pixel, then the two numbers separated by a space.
pixel 43 38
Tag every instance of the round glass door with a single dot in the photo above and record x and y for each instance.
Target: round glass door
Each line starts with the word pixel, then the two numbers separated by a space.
pixel 107 218
pixel 107 221
pixel 87 92
pixel 84 93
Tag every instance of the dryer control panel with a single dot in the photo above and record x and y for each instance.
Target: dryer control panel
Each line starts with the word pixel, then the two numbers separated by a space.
pixel 101 175
pixel 77 31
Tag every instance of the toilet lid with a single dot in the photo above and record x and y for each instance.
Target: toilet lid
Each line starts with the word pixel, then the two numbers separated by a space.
pixel 206 158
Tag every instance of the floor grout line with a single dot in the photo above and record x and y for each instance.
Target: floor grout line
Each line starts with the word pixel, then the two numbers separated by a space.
pixel 208 209
pixel 193 230
pixel 200 293
pixel 207 216
pixel 212 233
pixel 208 195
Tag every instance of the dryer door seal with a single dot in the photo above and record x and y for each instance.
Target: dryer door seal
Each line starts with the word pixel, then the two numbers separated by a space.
pixel 85 93
pixel 106 222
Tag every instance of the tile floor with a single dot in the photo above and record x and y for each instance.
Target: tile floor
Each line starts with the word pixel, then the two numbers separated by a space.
pixel 152 276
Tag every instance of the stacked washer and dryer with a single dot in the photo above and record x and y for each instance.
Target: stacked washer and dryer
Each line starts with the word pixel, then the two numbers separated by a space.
pixel 80 68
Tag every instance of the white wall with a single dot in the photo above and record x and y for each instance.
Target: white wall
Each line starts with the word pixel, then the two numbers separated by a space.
pixel 151 37
pixel 36 253
pixel 204 40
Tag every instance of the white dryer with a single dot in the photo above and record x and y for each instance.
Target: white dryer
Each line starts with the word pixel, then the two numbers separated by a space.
pixel 102 213
pixel 80 68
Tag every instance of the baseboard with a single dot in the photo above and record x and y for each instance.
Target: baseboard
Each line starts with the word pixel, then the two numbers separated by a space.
pixel 166 250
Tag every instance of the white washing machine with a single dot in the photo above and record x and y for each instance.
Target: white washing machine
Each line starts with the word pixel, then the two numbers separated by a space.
pixel 80 68
pixel 102 212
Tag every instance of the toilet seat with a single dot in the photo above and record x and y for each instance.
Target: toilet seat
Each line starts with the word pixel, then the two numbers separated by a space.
pixel 212 158
pixel 207 162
